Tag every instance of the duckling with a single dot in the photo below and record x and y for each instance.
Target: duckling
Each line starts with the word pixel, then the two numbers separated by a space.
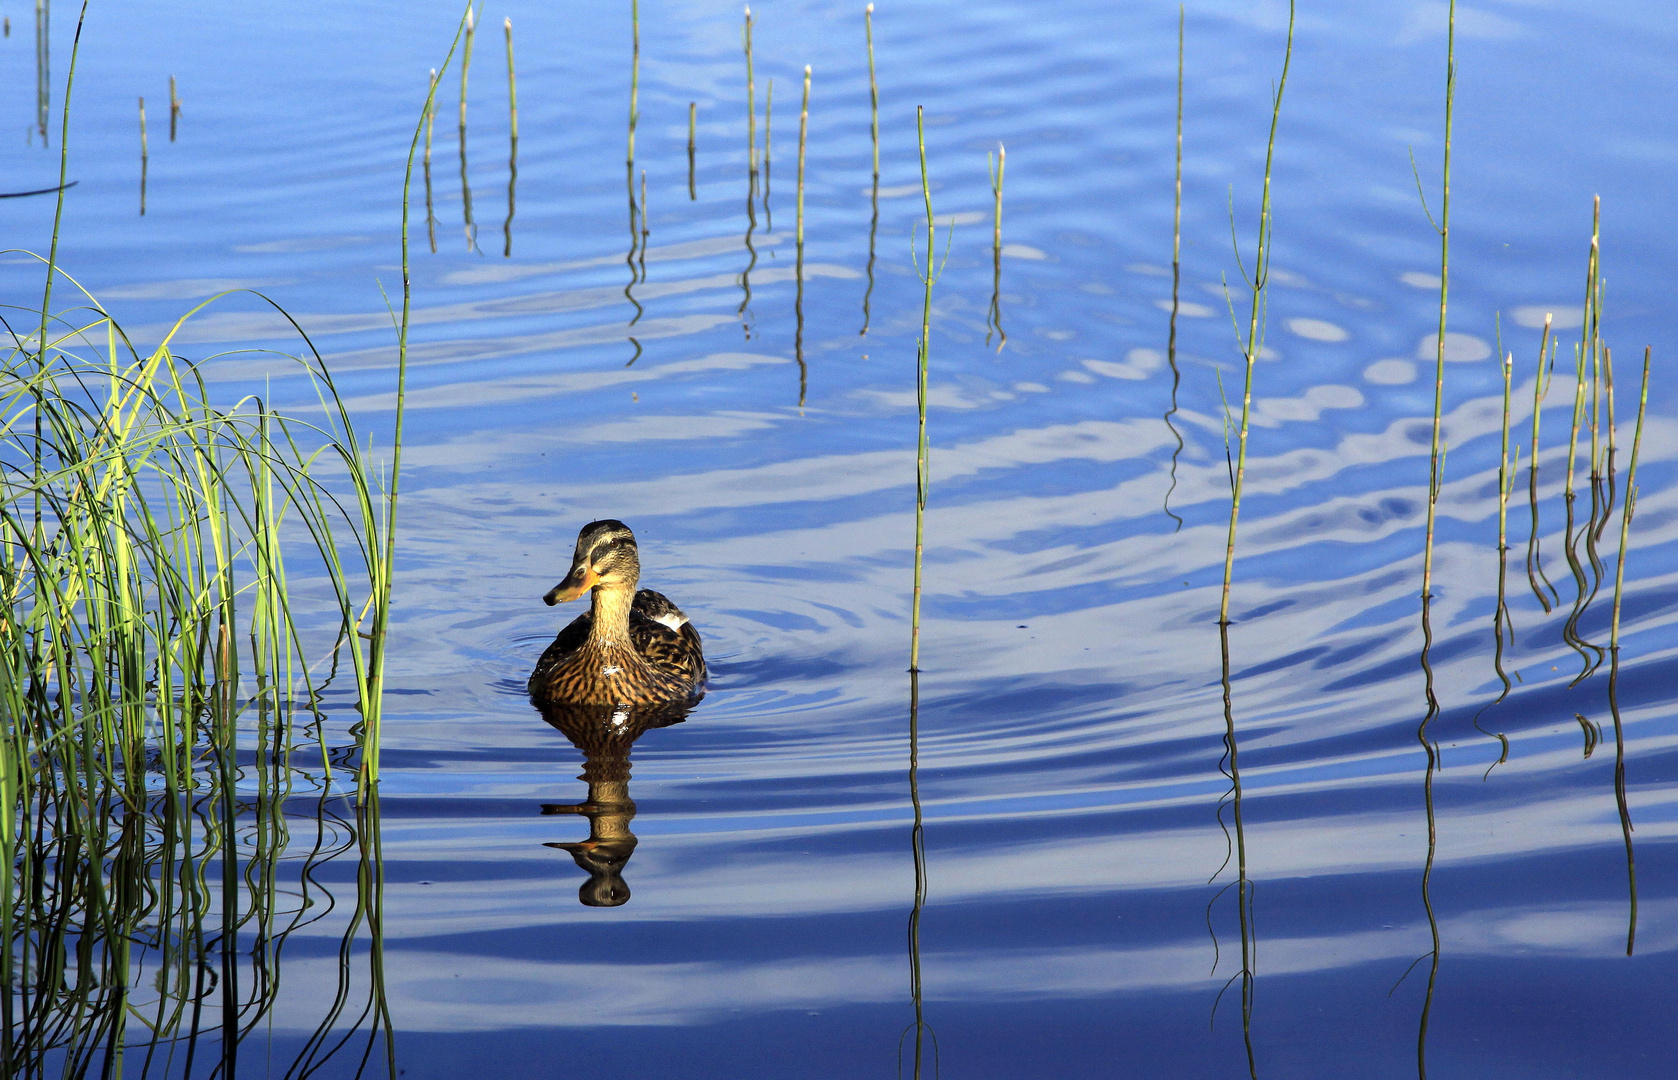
pixel 630 648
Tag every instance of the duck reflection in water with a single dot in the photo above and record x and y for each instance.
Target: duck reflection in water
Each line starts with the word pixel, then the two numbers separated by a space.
pixel 605 734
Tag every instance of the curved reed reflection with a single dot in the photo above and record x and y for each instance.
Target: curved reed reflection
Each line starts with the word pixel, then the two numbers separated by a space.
pixel 605 734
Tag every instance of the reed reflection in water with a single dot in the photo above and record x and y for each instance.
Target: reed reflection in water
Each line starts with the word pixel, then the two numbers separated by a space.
pixel 605 734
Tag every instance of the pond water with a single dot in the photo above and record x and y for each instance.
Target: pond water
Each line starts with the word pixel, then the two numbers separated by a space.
pixel 1081 912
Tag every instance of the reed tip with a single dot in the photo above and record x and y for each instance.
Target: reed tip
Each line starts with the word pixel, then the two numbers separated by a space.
pixel 806 71
pixel 508 23
pixel 748 11
pixel 869 9
pixel 469 19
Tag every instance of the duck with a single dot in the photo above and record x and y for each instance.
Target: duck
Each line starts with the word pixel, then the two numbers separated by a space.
pixel 632 647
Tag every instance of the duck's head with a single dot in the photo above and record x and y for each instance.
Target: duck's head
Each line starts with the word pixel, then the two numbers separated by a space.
pixel 605 558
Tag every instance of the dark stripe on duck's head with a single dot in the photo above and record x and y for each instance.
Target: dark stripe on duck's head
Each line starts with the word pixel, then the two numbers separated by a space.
pixel 605 556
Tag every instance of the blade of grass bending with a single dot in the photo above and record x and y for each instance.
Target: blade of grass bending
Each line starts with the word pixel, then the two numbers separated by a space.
pixel 1628 508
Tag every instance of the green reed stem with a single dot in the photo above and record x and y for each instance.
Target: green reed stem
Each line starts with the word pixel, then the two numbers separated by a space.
pixel 145 157
pixel 923 474
pixel 174 108
pixel 993 318
pixel 874 134
pixel 693 109
pixel 1176 280
pixel 1540 390
pixel 465 185
pixel 512 143
pixel 430 125
pixel 1629 508
pixel 634 78
pixel 751 107
pixel 1436 481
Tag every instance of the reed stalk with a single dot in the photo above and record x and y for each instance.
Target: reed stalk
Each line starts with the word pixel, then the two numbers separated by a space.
pixel 43 67
pixel 430 125
pixel 512 142
pixel 634 80
pixel 1502 628
pixel 465 185
pixel 1628 509
pixel 798 303
pixel 751 108
pixel 693 108
pixel 1176 281
pixel 923 474
pixel 1540 390
pixel 174 108
pixel 145 157
pixel 874 136
pixel 1586 363
pixel 993 317
pixel 1436 481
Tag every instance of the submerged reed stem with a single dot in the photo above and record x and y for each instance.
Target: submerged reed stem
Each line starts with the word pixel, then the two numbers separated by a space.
pixel 1540 389
pixel 1252 345
pixel 145 157
pixel 1176 280
pixel 1628 509
pixel 874 135
pixel 993 318
pixel 798 304
pixel 512 143
pixel 923 473
pixel 1436 480
pixel 465 186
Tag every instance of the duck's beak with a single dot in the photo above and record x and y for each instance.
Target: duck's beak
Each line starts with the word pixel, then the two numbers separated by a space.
pixel 580 580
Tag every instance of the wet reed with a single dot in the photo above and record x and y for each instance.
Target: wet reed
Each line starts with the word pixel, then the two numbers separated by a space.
pixel 1587 371
pixel 430 125
pixel 993 317
pixel 1502 629
pixel 1540 390
pixel 1436 480
pixel 145 157
pixel 929 273
pixel 874 194
pixel 158 679
pixel 465 185
pixel 174 108
pixel 693 108
pixel 1176 282
pixel 1628 508
pixel 798 303
pixel 751 107
pixel 512 142
pixel 1252 343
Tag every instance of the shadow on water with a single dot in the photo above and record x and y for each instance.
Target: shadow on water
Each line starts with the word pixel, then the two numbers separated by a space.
pixel 605 734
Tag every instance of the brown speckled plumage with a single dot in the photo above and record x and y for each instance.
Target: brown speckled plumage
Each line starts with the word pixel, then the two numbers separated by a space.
pixel 623 650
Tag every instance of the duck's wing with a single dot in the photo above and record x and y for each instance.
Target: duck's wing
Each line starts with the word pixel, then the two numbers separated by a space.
pixel 661 633
pixel 568 641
